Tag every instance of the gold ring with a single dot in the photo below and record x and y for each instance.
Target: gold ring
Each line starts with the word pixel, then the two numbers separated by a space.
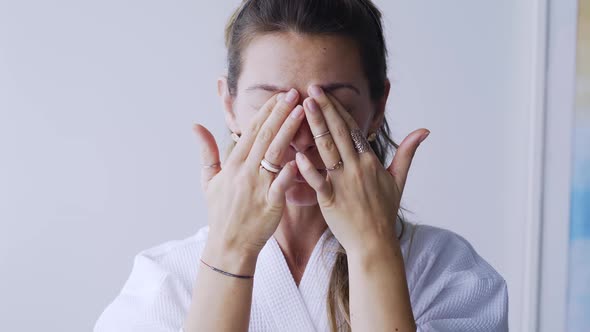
pixel 361 144
pixel 336 166
pixel 320 135
pixel 216 165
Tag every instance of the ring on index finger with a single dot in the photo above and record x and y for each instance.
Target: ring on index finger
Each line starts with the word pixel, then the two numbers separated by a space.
pixel 216 165
pixel 270 167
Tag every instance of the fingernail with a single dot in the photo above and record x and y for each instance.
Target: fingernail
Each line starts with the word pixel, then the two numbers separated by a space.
pixel 280 96
pixel 312 105
pixel 291 96
pixel 297 112
pixel 423 137
pixel 315 91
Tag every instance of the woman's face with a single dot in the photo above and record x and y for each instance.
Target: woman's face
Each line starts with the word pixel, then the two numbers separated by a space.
pixel 277 62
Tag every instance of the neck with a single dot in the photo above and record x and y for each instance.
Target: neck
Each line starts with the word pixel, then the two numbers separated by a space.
pixel 297 235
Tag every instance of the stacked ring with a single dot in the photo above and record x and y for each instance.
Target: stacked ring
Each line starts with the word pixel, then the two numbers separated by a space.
pixel 321 135
pixel 270 166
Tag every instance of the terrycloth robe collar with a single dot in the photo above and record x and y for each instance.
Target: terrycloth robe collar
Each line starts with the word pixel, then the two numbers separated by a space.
pixel 292 308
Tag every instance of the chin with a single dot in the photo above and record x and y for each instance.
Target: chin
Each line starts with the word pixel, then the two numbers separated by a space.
pixel 301 194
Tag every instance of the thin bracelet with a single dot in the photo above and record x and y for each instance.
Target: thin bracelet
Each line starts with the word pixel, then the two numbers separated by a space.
pixel 227 273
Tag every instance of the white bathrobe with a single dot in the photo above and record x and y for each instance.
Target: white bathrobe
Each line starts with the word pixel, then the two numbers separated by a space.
pixel 451 287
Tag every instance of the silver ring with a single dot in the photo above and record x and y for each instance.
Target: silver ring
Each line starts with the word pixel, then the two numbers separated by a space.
pixel 270 166
pixel 216 165
pixel 361 144
pixel 320 135
pixel 336 166
pixel 235 137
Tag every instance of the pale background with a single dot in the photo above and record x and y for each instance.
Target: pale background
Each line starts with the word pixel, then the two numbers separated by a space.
pixel 98 161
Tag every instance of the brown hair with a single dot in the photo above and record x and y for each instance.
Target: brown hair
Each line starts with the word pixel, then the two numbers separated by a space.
pixel 359 20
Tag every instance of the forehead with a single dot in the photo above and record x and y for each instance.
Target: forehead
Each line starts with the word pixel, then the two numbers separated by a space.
pixel 290 59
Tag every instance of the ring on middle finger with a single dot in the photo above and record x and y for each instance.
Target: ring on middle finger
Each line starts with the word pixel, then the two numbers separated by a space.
pixel 321 135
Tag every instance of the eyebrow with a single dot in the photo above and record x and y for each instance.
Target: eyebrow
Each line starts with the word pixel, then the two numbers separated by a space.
pixel 326 87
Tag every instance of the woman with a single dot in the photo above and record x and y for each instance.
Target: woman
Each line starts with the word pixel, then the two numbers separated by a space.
pixel 303 233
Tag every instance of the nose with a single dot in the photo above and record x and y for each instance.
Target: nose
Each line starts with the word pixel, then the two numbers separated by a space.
pixel 303 139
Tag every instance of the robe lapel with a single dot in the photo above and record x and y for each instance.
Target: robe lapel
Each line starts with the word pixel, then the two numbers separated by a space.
pixel 292 308
pixel 280 297
pixel 287 305
pixel 316 279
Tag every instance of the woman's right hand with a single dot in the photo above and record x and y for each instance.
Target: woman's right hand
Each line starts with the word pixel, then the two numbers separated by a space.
pixel 245 202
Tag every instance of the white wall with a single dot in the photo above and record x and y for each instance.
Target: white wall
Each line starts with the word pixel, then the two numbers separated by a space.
pixel 97 158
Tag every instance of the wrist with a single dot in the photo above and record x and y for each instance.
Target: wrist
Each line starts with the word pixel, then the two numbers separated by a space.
pixel 229 259
pixel 375 253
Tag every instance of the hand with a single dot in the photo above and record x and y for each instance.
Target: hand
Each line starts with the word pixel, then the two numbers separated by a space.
pixel 246 202
pixel 360 200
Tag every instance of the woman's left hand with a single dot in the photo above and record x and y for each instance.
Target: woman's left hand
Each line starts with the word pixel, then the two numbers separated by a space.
pixel 360 199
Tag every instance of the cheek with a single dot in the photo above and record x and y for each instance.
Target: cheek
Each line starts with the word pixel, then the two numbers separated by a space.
pixel 362 118
pixel 244 117
pixel 246 108
pixel 244 114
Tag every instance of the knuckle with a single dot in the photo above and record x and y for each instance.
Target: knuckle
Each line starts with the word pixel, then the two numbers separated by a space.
pixel 253 128
pixel 329 201
pixel 274 192
pixel 316 121
pixel 244 177
pixel 341 131
pixel 266 135
pixel 327 144
pixel 274 154
pixel 307 167
pixel 373 166
pixel 356 173
pixel 324 104
pixel 282 109
pixel 289 127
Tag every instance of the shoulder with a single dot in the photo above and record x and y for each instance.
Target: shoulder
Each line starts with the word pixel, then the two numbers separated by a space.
pixel 164 250
pixel 157 293
pixel 176 259
pixel 169 252
pixel 451 286
pixel 433 249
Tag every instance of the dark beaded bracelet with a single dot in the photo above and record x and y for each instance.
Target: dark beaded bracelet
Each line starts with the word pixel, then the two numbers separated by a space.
pixel 227 273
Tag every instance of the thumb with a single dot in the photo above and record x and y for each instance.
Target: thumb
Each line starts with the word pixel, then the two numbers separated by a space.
pixel 400 166
pixel 209 154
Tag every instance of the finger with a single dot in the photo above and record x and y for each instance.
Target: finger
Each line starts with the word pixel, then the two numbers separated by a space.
pixel 351 122
pixel 319 183
pixel 336 125
pixel 400 166
pixel 321 134
pixel 348 119
pixel 284 181
pixel 209 154
pixel 242 148
pixel 271 127
pixel 288 130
